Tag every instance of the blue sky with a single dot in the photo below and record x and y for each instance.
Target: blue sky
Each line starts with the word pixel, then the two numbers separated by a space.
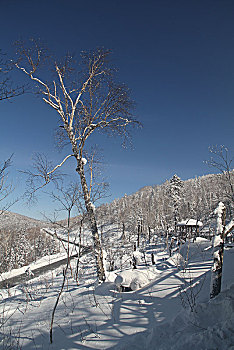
pixel 176 56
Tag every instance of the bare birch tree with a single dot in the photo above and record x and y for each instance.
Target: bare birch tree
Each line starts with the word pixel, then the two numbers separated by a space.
pixel 94 102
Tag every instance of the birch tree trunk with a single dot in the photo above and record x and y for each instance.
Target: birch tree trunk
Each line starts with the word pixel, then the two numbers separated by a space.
pixel 88 204
pixel 93 223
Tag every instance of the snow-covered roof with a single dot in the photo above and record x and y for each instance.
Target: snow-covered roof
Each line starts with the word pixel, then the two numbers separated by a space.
pixel 190 222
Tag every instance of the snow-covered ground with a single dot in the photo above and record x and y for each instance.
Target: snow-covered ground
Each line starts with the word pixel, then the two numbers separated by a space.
pixel 171 310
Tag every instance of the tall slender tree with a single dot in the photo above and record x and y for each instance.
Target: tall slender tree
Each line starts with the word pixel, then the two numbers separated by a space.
pixel 93 102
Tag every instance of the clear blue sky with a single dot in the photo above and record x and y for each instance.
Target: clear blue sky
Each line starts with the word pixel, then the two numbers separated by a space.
pixel 176 56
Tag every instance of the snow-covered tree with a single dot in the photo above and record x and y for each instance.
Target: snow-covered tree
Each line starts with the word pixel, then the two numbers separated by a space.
pixel 218 248
pixel 21 246
pixel 175 193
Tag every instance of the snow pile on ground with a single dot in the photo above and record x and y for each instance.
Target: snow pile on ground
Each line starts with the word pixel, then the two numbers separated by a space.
pixel 133 279
pixel 177 260
pixel 209 326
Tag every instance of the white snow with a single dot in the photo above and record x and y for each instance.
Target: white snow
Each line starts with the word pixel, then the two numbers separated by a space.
pixel 229 227
pixel 93 206
pixel 46 260
pixel 138 256
pixel 210 326
pixel 217 241
pixel 219 212
pixel 155 315
pixel 190 222
pixel 84 160
pixel 177 260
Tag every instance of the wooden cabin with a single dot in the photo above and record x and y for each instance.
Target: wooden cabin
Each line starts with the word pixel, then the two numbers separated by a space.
pixel 189 228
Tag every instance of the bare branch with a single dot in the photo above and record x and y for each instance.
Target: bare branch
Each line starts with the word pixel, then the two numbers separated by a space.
pixel 6 188
pixel 43 174
pixel 7 89
pixel 222 160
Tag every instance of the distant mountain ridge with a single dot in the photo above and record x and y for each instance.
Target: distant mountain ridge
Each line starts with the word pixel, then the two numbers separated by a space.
pixel 10 219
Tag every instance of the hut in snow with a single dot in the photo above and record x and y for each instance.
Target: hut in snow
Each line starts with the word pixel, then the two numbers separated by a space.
pixel 189 228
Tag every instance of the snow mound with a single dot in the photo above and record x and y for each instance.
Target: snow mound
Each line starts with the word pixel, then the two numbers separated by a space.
pixel 177 260
pixel 132 280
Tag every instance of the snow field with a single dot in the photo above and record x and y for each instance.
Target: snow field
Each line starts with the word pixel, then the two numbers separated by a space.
pixel 91 316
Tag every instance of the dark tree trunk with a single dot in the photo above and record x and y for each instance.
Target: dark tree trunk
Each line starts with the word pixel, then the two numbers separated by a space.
pixel 149 233
pixel 123 231
pixel 138 235
pixel 216 277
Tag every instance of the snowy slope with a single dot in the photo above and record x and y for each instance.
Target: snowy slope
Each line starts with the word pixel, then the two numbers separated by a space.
pixel 91 316
pixel 209 326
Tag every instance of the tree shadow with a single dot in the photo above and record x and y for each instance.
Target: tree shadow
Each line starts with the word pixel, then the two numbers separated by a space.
pixel 100 318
